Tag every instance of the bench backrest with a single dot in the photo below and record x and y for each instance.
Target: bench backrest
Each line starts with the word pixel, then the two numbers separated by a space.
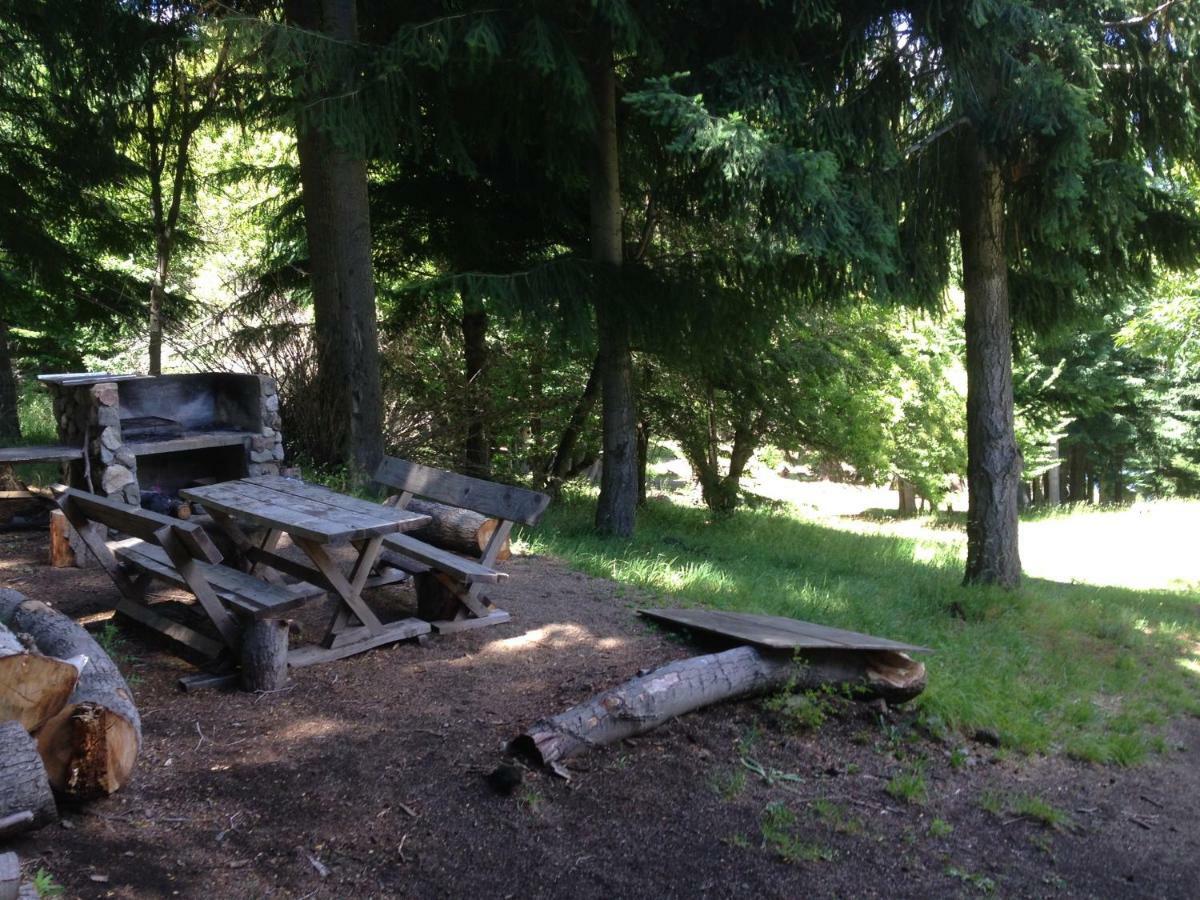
pixel 499 501
pixel 137 522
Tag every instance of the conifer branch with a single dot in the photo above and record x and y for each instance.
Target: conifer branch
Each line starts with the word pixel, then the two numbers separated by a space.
pixel 1144 19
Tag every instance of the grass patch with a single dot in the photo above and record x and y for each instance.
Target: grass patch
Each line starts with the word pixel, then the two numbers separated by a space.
pixel 777 832
pixel 909 787
pixel 1055 666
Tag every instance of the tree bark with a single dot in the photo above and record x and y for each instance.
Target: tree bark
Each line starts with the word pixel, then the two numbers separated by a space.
pixel 616 510
pixel 461 530
pixel 564 454
pixel 10 421
pixel 90 747
pixel 338 226
pixel 1054 480
pixel 264 654
pixel 1077 457
pixel 23 784
pixel 477 451
pixel 688 684
pixel 643 458
pixel 993 458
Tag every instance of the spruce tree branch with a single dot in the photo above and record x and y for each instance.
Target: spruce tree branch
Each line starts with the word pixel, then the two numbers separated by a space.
pixel 1144 19
pixel 921 145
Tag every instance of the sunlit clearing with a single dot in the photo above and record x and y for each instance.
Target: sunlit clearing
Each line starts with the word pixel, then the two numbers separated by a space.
pixel 555 636
pixel 1149 545
pixel 316 727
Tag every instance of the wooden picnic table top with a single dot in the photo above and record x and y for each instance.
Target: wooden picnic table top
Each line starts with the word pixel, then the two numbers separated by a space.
pixel 303 510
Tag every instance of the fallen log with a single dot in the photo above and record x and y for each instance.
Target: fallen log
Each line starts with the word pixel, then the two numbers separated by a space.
pixel 25 797
pixel 33 687
pixel 688 684
pixel 461 530
pixel 89 748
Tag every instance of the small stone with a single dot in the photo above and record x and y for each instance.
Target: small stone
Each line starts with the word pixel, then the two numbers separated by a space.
pixel 277 453
pixel 125 457
pixel 115 478
pixel 260 456
pixel 268 385
pixel 111 438
pixel 133 496
pixel 271 403
pixel 106 455
pixel 107 416
pixel 261 443
pixel 268 432
pixel 105 393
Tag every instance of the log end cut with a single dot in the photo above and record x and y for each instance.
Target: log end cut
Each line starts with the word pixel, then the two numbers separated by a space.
pixel 896 677
pixel 34 687
pixel 89 751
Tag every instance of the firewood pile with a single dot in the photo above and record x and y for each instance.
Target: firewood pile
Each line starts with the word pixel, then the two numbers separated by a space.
pixel 68 725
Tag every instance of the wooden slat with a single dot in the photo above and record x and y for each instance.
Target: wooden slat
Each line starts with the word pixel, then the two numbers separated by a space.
pixel 460 567
pixel 348 593
pixel 13 455
pixel 141 523
pixel 248 593
pixel 181 634
pixel 450 626
pixel 375 519
pixel 775 631
pixel 500 501
pixel 410 520
pixel 397 631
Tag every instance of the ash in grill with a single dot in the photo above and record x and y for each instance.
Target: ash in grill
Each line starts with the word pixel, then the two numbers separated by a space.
pixel 167 432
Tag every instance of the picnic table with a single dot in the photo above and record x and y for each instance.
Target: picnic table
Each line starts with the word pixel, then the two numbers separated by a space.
pixel 315 518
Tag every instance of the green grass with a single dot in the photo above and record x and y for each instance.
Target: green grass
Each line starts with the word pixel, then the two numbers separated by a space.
pixel 1055 666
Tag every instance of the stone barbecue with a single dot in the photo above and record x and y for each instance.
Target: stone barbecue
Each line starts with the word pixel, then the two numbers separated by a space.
pixel 164 433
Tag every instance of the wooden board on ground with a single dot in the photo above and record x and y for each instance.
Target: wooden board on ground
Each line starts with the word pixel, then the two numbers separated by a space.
pixel 775 631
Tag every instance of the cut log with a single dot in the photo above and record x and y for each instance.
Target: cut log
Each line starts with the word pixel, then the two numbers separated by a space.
pixel 62 554
pixel 24 788
pixel 89 748
pixel 461 530
pixel 33 687
pixel 265 655
pixel 688 684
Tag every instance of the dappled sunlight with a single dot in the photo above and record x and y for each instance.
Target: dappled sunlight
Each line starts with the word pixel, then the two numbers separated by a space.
pixel 557 636
pixel 310 729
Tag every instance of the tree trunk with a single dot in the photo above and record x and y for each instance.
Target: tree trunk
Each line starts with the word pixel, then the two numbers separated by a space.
pixel 993 458
pixel 1037 495
pixel 1078 461
pixel 158 292
pixel 688 684
pixel 1118 481
pixel 89 748
pixel 338 225
pixel 33 687
pixel 461 530
pixel 10 421
pixel 1054 480
pixel 564 454
pixel 477 452
pixel 264 654
pixel 643 459
pixel 616 510
pixel 23 784
pixel 908 498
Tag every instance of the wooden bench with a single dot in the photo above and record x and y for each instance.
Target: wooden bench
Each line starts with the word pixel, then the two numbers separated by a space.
pixel 182 554
pixel 439 570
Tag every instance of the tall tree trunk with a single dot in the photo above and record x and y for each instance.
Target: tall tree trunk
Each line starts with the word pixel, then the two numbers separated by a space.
pixel 643 458
pixel 338 225
pixel 616 510
pixel 564 454
pixel 1078 458
pixel 477 452
pixel 1054 479
pixel 993 458
pixel 10 421
pixel 158 292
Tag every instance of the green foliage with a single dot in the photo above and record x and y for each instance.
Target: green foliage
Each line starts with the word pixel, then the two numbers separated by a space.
pixel 940 828
pixel 777 826
pixel 909 786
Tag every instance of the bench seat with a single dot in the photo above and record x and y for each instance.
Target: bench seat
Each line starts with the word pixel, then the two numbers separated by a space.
pixel 246 593
pixel 460 567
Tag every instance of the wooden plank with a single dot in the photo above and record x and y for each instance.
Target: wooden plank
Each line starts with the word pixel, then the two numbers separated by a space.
pixel 501 501
pixel 141 523
pixel 341 586
pixel 189 568
pixel 12 455
pixel 248 593
pixel 775 631
pixel 196 441
pixel 397 631
pixel 176 631
pixel 466 570
pixel 410 520
pixel 310 519
pixel 450 626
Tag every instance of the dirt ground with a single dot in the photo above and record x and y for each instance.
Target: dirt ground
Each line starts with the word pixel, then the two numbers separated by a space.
pixel 366 778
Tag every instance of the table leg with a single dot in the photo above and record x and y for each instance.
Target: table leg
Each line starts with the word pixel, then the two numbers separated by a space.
pixel 348 590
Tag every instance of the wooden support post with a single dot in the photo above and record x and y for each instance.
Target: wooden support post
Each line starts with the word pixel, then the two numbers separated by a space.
pixel 62 555
pixel 265 655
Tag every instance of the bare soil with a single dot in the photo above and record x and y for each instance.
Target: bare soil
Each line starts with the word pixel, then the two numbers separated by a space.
pixel 366 778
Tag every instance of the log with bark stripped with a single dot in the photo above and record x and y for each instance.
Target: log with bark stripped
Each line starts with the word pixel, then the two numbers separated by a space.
pixel 461 530
pixel 89 748
pixel 33 687
pixel 25 797
pixel 688 684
